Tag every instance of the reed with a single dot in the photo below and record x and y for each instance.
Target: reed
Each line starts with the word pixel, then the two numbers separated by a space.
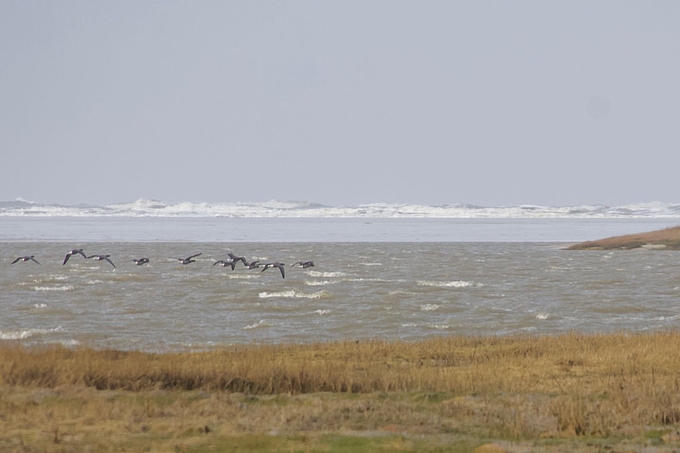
pixel 520 387
pixel 546 364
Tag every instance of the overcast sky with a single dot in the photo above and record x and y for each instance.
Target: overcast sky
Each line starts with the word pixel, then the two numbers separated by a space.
pixel 341 102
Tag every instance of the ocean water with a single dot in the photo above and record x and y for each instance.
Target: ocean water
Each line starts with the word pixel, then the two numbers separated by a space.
pixel 386 278
pixel 295 229
pixel 302 209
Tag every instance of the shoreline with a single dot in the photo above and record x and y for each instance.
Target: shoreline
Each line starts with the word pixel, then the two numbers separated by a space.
pixel 665 239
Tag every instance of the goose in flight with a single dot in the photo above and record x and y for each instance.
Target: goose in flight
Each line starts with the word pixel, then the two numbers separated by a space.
pixel 235 258
pixel 304 264
pixel 73 252
pixel 25 258
pixel 225 263
pixel 140 261
pixel 102 258
pixel 189 259
pixel 253 264
pixel 279 265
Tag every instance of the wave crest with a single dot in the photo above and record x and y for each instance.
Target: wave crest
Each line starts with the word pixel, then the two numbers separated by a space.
pixel 454 284
pixel 144 207
pixel 23 334
pixel 295 295
pixel 54 288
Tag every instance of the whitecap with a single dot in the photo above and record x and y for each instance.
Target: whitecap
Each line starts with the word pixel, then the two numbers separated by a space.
pixel 54 288
pixel 44 279
pixel 322 312
pixel 453 284
pixel 666 318
pixel 23 334
pixel 39 306
pixel 325 274
pixel 295 294
pixel 542 316
pixel 303 209
pixel 319 282
pixel 429 307
pixel 260 323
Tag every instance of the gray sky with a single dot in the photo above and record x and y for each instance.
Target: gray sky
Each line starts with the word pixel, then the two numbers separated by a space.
pixel 342 103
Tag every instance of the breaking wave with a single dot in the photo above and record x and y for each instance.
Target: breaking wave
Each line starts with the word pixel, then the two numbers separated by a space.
pixel 295 295
pixel 302 209
pixel 455 284
pixel 54 288
pixel 325 274
pixel 23 334
pixel 260 323
pixel 320 282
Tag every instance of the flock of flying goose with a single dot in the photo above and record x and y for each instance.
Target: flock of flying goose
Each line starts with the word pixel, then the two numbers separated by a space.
pixel 231 262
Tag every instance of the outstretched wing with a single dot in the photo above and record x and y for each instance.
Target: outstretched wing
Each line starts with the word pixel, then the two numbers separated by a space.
pixel 238 258
pixel 279 265
pixel 17 260
pixel 114 266
pixel 33 259
pixel 194 256
pixel 68 255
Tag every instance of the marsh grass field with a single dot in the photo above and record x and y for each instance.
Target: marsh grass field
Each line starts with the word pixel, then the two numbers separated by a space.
pixel 572 392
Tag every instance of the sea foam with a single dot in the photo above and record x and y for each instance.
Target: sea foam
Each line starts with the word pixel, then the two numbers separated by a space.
pixel 295 294
pixel 54 288
pixel 303 209
pixel 23 334
pixel 454 284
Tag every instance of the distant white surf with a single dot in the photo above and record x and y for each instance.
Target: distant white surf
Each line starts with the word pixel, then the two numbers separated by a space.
pixel 301 209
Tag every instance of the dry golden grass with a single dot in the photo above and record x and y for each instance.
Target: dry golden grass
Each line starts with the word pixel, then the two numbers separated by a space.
pixel 667 239
pixel 453 389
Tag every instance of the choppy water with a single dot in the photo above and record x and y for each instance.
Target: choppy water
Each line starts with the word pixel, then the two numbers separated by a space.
pixel 379 289
pixel 304 209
